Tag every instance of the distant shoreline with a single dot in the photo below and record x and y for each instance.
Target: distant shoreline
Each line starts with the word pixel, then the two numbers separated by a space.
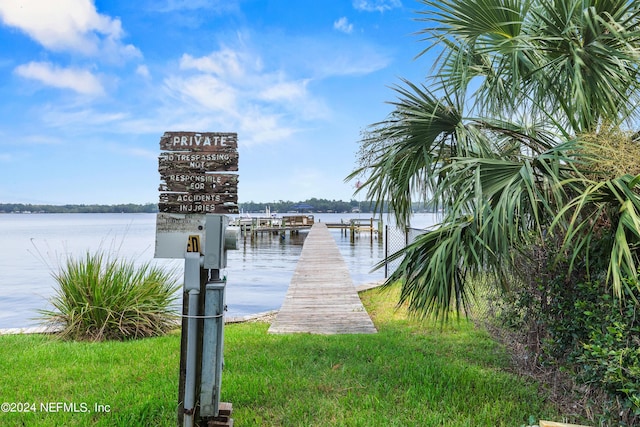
pixel 23 208
pixel 316 206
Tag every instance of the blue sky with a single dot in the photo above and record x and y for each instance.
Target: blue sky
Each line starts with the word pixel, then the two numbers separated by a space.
pixel 87 89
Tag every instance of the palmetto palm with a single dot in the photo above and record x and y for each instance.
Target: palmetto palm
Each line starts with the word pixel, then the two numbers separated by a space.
pixel 497 136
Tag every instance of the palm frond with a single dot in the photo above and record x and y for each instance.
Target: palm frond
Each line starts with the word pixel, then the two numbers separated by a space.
pixel 406 148
pixel 496 138
pixel 435 267
pixel 616 200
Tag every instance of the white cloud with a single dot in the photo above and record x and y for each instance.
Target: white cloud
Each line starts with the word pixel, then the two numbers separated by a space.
pixel 334 56
pixel 68 25
pixel 223 63
pixel 234 89
pixel 206 90
pixel 260 127
pixel 351 63
pixel 143 70
pixel 376 5
pixel 285 91
pixel 78 80
pixel 343 25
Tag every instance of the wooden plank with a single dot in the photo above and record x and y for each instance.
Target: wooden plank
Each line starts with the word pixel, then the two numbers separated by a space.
pixel 186 198
pixel 224 416
pixel 195 203
pixel 185 162
pixel 198 208
pixel 199 183
pixel 321 298
pixel 225 408
pixel 199 141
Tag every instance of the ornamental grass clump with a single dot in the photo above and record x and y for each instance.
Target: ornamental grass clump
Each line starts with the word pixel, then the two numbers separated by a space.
pixel 102 298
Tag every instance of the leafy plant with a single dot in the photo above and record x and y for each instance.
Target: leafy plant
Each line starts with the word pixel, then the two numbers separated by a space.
pixel 568 323
pixel 102 298
pixel 610 356
pixel 504 136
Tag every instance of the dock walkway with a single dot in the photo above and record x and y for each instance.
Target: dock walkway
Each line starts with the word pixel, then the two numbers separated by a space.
pixel 321 298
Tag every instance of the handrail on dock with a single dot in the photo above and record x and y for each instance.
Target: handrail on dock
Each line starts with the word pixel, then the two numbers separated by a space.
pixel 294 223
pixel 360 225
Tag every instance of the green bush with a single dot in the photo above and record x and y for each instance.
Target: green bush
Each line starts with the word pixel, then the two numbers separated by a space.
pixel 102 298
pixel 610 356
pixel 575 323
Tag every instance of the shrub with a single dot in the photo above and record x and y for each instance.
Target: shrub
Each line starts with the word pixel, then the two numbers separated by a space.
pixel 610 357
pixel 102 298
pixel 577 325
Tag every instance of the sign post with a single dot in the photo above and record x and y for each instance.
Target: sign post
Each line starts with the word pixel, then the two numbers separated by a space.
pixel 197 188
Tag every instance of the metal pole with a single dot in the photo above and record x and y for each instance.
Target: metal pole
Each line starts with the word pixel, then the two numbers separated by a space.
pixel 212 346
pixel 192 286
pixel 190 377
pixel 386 251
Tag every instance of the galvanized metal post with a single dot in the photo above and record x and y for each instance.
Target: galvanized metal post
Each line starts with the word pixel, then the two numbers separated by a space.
pixel 192 287
pixel 218 239
pixel 212 346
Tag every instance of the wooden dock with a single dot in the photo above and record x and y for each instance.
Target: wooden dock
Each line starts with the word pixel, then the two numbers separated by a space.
pixel 296 223
pixel 321 298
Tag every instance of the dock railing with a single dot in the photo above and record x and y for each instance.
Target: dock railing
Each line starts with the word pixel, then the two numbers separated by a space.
pixel 372 227
pixel 357 226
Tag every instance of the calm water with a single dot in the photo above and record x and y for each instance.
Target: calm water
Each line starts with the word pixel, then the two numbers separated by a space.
pixel 258 274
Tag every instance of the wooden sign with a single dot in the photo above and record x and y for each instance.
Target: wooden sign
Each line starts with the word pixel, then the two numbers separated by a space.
pixel 189 178
pixel 171 162
pixel 198 203
pixel 199 142
pixel 199 183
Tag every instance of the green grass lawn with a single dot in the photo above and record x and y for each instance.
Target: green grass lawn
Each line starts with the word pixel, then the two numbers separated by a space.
pixel 409 374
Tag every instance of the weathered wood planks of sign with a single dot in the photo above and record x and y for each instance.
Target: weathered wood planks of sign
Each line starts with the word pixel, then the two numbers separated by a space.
pixel 194 176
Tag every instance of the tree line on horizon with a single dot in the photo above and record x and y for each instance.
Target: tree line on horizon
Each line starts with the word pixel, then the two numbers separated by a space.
pixel 281 206
pixel 79 208
pixel 309 205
